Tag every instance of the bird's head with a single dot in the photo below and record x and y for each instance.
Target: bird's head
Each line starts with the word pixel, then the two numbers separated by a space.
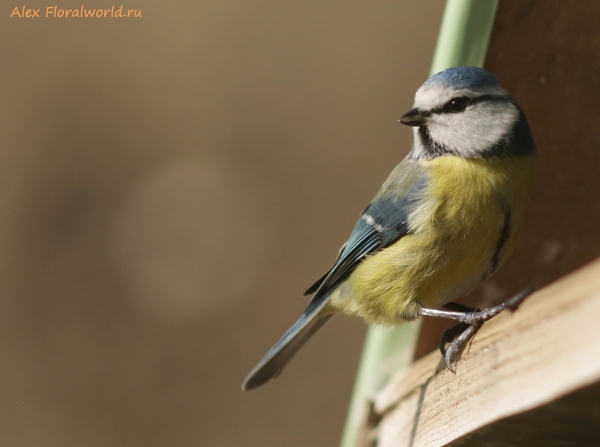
pixel 463 111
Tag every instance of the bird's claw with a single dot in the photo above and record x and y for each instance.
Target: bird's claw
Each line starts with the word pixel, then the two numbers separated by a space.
pixel 470 319
pixel 467 331
pixel 448 359
pixel 458 336
pixel 449 336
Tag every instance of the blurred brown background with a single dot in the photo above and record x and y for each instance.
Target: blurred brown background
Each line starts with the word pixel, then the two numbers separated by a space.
pixel 170 185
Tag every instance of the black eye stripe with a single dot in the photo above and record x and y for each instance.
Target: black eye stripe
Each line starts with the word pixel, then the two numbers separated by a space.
pixel 471 101
pixel 491 98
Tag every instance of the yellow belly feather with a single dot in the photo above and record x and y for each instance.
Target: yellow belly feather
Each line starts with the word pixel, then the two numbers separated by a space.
pixel 454 235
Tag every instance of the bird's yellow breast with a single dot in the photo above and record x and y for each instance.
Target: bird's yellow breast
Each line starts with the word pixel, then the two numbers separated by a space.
pixel 461 230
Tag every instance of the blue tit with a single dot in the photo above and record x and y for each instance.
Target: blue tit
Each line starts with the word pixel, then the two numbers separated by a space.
pixel 445 220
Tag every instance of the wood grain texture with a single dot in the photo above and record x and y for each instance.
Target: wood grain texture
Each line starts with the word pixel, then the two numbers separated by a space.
pixel 571 421
pixel 545 350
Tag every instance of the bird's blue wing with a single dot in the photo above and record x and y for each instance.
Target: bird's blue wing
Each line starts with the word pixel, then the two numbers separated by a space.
pixel 381 224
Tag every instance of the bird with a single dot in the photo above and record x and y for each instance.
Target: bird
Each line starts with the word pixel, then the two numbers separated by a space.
pixel 445 220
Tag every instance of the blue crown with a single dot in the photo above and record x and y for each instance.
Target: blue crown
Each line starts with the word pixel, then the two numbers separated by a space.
pixel 463 77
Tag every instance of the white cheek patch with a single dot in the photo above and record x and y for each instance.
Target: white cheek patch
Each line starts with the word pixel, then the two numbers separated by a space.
pixel 475 130
pixel 468 133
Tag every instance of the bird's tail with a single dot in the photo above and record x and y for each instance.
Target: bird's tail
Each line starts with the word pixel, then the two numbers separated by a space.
pixel 278 357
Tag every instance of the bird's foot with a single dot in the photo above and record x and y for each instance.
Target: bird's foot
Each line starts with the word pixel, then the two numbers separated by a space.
pixel 466 331
pixel 471 319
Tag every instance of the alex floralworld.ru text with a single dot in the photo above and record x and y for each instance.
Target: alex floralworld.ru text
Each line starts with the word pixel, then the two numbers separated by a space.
pixel 55 11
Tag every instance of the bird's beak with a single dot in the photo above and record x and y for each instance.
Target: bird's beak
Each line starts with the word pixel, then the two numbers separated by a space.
pixel 414 117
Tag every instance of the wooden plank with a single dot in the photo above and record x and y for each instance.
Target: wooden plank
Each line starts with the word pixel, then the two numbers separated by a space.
pixel 518 361
pixel 567 422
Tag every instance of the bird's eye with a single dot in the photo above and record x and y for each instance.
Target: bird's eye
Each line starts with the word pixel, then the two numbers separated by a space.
pixel 456 105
